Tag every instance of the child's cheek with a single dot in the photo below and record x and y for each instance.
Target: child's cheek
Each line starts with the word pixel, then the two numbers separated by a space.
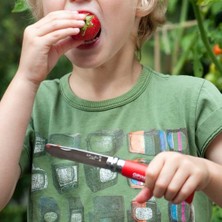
pixel 51 6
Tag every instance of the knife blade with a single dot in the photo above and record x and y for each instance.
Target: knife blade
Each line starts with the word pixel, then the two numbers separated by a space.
pixel 127 168
pixel 79 155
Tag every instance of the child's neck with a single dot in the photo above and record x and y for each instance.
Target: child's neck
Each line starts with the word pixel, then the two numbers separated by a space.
pixel 106 82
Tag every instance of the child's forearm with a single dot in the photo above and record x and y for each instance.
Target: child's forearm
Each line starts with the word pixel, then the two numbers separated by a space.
pixel 214 187
pixel 15 110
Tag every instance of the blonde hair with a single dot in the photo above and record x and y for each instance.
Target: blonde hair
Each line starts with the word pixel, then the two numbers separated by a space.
pixel 35 7
pixel 152 14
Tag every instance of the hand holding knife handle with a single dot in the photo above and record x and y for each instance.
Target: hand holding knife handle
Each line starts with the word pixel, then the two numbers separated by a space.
pixel 133 170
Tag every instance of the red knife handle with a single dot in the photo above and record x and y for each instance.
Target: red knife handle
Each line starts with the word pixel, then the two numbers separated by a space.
pixel 137 171
pixel 134 170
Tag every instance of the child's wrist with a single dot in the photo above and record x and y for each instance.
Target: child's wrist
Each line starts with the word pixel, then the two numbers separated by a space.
pixel 26 81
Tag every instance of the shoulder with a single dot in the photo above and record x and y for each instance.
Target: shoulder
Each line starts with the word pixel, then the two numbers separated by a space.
pixel 49 86
pixel 180 84
pixel 49 92
pixel 177 81
pixel 183 91
pixel 52 87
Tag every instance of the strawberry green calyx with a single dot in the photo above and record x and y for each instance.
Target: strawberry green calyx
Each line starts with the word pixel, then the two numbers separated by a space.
pixel 90 29
pixel 88 24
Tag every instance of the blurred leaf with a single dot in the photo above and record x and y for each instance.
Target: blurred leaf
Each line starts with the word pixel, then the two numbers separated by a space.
pixel 166 42
pixel 206 2
pixel 20 6
pixel 217 214
pixel 172 4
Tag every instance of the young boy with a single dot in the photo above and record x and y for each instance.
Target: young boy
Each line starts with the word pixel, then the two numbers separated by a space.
pixel 113 105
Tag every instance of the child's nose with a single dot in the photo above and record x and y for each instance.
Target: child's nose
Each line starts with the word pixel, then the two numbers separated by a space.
pixel 79 0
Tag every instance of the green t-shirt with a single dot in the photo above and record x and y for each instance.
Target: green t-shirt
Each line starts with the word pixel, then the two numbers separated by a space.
pixel 160 113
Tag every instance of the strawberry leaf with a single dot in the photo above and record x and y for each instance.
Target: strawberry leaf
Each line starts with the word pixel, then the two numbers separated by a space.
pixel 88 24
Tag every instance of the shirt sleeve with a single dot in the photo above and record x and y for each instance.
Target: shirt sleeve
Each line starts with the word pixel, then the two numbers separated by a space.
pixel 25 159
pixel 208 116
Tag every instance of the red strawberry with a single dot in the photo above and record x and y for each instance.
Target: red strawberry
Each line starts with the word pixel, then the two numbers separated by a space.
pixel 91 28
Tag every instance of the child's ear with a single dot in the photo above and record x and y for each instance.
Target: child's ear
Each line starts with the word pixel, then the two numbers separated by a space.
pixel 145 7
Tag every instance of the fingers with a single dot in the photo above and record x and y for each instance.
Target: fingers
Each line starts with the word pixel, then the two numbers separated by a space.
pixel 56 26
pixel 172 176
pixel 54 17
pixel 55 36
pixel 153 171
pixel 181 185
pixel 185 192
pixel 60 21
pixel 144 195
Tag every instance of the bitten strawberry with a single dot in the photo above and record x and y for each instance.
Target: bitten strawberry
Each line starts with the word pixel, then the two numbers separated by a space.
pixel 91 28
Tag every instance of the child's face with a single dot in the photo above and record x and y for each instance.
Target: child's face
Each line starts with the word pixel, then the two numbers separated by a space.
pixel 118 24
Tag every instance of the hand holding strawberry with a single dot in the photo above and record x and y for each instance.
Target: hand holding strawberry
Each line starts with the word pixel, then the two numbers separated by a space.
pixel 46 41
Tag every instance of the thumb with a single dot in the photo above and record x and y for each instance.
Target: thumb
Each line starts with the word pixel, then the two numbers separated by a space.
pixel 144 195
pixel 64 45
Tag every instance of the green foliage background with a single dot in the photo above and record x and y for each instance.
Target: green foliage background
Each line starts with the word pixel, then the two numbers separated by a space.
pixel 183 49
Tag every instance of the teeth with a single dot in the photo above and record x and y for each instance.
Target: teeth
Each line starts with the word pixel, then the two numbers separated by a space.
pixel 91 41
